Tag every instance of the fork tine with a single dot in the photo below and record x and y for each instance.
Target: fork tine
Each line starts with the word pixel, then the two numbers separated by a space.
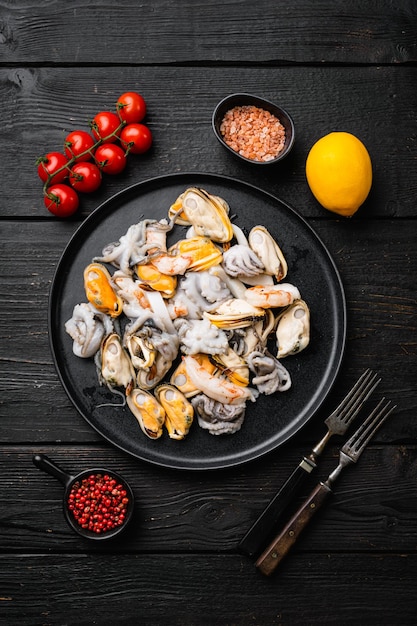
pixel 360 392
pixel 355 445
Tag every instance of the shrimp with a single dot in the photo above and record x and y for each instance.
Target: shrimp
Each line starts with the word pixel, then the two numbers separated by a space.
pixel 271 296
pixel 217 387
pixel 172 264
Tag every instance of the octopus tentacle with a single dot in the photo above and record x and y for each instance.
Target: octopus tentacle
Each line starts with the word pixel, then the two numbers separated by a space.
pixel 270 374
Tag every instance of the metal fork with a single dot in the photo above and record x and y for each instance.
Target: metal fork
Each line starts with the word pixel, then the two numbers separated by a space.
pixel 351 451
pixel 337 424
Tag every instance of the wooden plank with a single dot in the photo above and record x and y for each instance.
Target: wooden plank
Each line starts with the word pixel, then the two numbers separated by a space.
pixel 209 32
pixel 364 101
pixel 183 590
pixel 373 502
pixel 377 261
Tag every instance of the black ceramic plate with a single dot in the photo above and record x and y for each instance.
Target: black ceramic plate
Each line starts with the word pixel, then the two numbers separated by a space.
pixel 271 420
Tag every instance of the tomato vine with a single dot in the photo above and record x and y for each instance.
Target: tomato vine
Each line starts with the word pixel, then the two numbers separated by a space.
pixel 109 129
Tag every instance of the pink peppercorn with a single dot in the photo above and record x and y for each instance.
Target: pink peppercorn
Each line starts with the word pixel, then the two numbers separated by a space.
pixel 96 504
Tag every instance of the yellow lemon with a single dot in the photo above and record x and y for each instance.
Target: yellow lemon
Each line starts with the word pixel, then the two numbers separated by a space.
pixel 339 172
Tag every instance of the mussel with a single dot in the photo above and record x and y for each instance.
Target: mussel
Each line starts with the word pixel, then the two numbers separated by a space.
pixel 152 278
pixel 293 329
pixel 205 212
pixel 116 369
pixel 201 252
pixel 268 251
pixel 233 366
pixel 179 411
pixel 99 290
pixel 147 410
pixel 235 313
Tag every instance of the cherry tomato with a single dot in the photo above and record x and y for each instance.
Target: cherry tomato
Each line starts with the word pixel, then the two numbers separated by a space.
pixel 61 200
pixel 85 177
pixel 131 107
pixel 105 126
pixel 136 137
pixel 110 158
pixel 78 142
pixel 49 164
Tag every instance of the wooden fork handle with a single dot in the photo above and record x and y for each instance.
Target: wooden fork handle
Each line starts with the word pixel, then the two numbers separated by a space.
pixel 282 544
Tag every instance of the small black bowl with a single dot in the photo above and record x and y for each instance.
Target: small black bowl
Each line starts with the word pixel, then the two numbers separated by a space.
pixel 244 99
pixel 45 464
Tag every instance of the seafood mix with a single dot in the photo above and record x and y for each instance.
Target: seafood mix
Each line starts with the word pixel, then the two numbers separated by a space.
pixel 186 330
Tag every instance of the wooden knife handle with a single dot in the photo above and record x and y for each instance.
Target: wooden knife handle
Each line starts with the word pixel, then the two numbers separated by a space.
pixel 282 544
pixel 263 528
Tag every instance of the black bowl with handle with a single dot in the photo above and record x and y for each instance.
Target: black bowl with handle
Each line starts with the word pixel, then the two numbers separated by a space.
pixel 42 462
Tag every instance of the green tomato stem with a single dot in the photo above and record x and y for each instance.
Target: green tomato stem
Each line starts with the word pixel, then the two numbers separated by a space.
pixel 73 159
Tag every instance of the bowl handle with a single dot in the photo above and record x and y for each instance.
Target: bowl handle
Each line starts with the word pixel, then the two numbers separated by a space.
pixel 45 464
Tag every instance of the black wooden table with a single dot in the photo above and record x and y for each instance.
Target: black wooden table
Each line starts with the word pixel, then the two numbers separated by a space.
pixel 334 66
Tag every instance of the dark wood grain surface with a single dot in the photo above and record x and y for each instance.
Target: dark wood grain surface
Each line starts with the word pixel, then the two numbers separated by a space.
pixel 334 66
